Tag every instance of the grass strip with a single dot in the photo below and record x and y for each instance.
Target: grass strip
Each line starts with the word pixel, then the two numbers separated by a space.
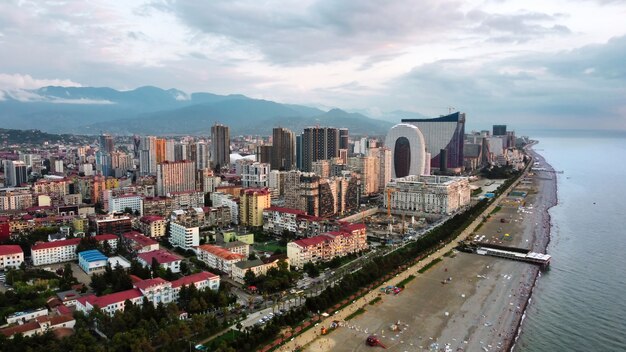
pixel 356 313
pixel 375 300
pixel 429 265
pixel 405 281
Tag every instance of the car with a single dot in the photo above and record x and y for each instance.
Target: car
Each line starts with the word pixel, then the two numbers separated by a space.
pixel 261 321
pixel 265 317
pixel 271 315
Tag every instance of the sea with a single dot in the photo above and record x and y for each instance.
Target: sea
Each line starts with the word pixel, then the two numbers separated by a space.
pixel 579 304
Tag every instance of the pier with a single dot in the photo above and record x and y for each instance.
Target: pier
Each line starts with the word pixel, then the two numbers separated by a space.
pixel 513 253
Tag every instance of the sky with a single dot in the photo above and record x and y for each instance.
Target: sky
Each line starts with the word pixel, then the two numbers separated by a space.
pixel 528 63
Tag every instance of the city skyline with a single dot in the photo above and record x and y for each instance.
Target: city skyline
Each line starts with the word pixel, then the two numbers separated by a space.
pixel 546 65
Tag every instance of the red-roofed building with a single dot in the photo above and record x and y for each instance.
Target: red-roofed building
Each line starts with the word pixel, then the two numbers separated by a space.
pixel 325 247
pixel 155 290
pixel 153 226
pixel 166 260
pixel 138 243
pixel 63 251
pixel 11 256
pixel 40 326
pixel 218 258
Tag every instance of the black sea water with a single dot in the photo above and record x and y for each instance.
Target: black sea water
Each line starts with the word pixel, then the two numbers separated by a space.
pixel 580 303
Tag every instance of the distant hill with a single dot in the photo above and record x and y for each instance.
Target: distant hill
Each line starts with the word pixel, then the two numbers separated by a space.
pixel 152 110
pixel 36 137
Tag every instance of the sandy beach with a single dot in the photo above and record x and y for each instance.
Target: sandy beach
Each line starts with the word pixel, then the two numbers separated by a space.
pixel 481 305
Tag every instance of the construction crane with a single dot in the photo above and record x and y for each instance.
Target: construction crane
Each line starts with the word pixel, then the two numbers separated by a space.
pixel 389 192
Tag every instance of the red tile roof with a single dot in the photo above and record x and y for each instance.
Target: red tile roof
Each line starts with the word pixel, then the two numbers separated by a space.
pixel 150 219
pixel 220 252
pixel 193 278
pixel 259 191
pixel 139 238
pixel 311 241
pixel 84 299
pixel 162 256
pixel 353 227
pixel 144 284
pixel 62 243
pixel 117 297
pixel 285 210
pixel 10 249
pixel 105 237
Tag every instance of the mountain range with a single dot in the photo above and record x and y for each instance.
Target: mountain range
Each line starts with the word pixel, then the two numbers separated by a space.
pixel 152 110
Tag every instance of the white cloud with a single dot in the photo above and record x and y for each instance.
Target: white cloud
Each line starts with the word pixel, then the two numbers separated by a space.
pixel 19 81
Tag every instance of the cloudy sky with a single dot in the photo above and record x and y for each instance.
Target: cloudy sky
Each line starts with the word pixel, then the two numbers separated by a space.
pixel 528 63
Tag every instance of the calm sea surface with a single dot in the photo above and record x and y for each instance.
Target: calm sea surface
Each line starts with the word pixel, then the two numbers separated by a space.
pixel 580 303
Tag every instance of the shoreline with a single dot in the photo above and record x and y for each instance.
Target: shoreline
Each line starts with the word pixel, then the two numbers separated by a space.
pixel 546 238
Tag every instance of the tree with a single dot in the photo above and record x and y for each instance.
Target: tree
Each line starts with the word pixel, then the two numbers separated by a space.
pixel 252 256
pixel 67 278
pixel 249 278
pixel 311 269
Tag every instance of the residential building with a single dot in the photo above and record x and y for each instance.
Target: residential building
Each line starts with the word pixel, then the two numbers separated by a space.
pixel 114 225
pixel 147 156
pixel 15 173
pixel 257 266
pixel 155 291
pixel 16 198
pixel 11 256
pixel 175 176
pixel 40 326
pixel 319 143
pixel 218 258
pixel 368 167
pixel 442 195
pixel 136 242
pixel 255 175
pixel 252 203
pixel 154 226
pixel 350 238
pixel 183 236
pixel 124 202
pixel 166 260
pixel 237 247
pixel 202 156
pixel 283 149
pixel 220 199
pixel 220 146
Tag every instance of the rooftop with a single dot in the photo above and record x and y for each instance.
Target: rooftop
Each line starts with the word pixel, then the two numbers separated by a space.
pixel 10 249
pixel 92 255
pixel 193 278
pixel 220 252
pixel 117 297
pixel 144 284
pixel 139 238
pixel 151 218
pixel 311 241
pixel 249 263
pixel 285 210
pixel 162 256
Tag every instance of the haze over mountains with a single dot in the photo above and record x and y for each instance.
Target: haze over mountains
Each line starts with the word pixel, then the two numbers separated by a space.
pixel 151 110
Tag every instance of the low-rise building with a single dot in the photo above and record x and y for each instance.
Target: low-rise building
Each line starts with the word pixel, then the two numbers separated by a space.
pixel 27 315
pixel 153 226
pixel 155 290
pixel 136 242
pixel 237 247
pixel 63 251
pixel 92 261
pixel 11 256
pixel 40 326
pixel 350 238
pixel 166 260
pixel 124 202
pixel 415 194
pixel 116 225
pixel 257 266
pixel 218 258
pixel 231 235
pixel 277 220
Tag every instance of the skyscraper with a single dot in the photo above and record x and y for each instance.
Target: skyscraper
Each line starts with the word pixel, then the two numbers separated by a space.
pixel 202 156
pixel 180 152
pixel 147 156
pixel 107 144
pixel 15 173
pixel 220 146
pixel 344 138
pixel 283 149
pixel 177 176
pixel 499 130
pixel 169 150
pixel 446 132
pixel 159 144
pixel 319 143
pixel 408 150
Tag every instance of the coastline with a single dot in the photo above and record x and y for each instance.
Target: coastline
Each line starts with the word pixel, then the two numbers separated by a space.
pixel 542 246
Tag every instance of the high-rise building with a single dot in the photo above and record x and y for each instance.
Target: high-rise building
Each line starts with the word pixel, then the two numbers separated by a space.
pixel 368 167
pixel 107 145
pixel 384 156
pixel 321 196
pixel 319 143
pixel 169 150
pixel 15 173
pixel 499 130
pixel 255 175
pixel 180 152
pixel 220 146
pixel 252 203
pixel 263 153
pixel 446 132
pixel 159 144
pixel 177 176
pixel 283 149
pixel 147 156
pixel 408 151
pixel 202 156
pixel 299 152
pixel 344 138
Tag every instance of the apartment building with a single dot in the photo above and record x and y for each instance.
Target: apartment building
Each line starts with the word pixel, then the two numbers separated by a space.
pixel 218 258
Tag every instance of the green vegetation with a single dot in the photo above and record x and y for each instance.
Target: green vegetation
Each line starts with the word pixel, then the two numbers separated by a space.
pixel 355 313
pixel 112 280
pixel 429 265
pixel 375 300
pixel 272 247
pixel 276 279
pixel 406 281
pixel 36 137
pixel 311 269
pixel 477 191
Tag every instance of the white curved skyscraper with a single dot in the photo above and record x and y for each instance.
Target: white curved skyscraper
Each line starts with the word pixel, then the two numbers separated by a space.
pixel 408 150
